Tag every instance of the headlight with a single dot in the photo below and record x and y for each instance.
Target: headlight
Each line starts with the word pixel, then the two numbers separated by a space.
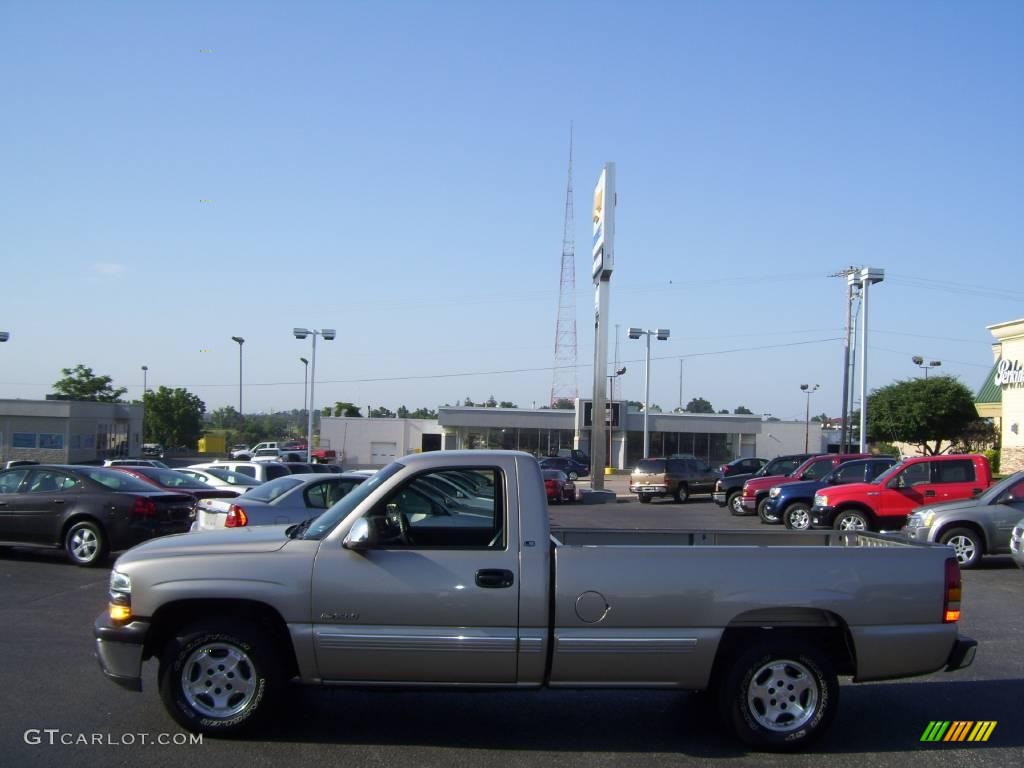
pixel 820 500
pixel 120 582
pixel 921 520
pixel 775 491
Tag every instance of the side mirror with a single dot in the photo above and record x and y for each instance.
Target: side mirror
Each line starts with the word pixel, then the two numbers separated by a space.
pixel 360 536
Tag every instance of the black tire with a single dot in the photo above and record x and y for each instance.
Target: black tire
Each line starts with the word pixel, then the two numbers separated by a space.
pixel 753 707
pixel 763 514
pixel 681 493
pixel 236 655
pixel 644 498
pixel 85 544
pixel 968 545
pixel 797 517
pixel 735 504
pixel 852 520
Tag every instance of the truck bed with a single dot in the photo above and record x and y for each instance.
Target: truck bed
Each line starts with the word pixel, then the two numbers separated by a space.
pixel 624 537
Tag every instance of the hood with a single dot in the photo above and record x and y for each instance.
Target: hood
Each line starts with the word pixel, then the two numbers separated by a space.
pixel 849 489
pixel 768 481
pixel 235 541
pixel 950 506
pixel 803 486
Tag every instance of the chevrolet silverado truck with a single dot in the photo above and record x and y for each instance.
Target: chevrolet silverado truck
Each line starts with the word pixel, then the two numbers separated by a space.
pixel 729 490
pixel 885 502
pixel 388 588
pixel 756 489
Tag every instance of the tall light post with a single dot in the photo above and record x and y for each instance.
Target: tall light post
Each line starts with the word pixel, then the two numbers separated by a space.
pixel 145 370
pixel 808 390
pixel 240 341
pixel 920 363
pixel 868 276
pixel 662 335
pixel 611 412
pixel 301 333
pixel 305 387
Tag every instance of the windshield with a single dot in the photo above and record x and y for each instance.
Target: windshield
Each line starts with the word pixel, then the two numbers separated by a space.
pixel 117 481
pixel 168 478
pixel 273 489
pixel 330 518
pixel 234 478
pixel 886 476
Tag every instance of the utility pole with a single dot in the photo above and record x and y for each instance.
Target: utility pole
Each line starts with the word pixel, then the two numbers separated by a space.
pixel 848 273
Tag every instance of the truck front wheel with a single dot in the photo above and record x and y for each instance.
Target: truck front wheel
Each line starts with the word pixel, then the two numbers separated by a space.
pixel 219 677
pixel 780 697
pixel 852 521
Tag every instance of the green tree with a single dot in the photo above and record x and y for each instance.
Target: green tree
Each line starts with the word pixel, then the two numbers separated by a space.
pixel 343 409
pixel 743 410
pixel 724 410
pixel 173 417
pixel 381 413
pixel 699 405
pixel 507 404
pixel 226 418
pixel 922 412
pixel 564 404
pixel 80 383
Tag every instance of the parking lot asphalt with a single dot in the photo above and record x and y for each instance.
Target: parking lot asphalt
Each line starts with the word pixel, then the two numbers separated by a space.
pixel 50 680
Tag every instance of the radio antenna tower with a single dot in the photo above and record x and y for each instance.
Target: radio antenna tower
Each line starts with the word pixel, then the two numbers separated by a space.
pixel 563 383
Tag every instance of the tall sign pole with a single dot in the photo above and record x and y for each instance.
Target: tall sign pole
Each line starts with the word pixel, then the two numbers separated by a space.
pixel 868 275
pixel 604 263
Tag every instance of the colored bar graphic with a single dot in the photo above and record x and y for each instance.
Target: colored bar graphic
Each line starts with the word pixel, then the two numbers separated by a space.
pixel 959 730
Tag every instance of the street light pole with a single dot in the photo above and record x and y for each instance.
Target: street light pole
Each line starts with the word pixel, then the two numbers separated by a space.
pixel 808 390
pixel 145 370
pixel 611 412
pixel 301 333
pixel 919 362
pixel 305 387
pixel 240 341
pixel 662 334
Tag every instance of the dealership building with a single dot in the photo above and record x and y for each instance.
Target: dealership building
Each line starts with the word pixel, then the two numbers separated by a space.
pixel 66 431
pixel 716 438
pixel 1001 396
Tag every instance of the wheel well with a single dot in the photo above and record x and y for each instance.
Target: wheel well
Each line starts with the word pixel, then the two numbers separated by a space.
pixel 964 524
pixel 805 502
pixel 823 630
pixel 171 617
pixel 856 507
pixel 79 517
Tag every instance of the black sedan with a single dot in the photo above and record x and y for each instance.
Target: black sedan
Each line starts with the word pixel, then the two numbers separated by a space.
pixel 86 511
pixel 571 467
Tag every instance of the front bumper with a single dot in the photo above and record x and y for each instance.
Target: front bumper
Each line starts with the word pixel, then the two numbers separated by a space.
pixel 719 497
pixel 749 502
pixel 119 650
pixel 1017 545
pixel 962 654
pixel 822 517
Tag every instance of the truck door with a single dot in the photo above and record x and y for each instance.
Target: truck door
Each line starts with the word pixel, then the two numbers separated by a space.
pixel 435 596
pixel 1007 510
pixel 904 492
pixel 954 479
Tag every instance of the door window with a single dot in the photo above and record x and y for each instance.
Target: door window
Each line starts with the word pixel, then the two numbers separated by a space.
pixel 818 469
pixel 326 494
pixel 423 514
pixel 49 481
pixel 915 474
pixel 9 481
pixel 851 474
pixel 1014 494
pixel 959 471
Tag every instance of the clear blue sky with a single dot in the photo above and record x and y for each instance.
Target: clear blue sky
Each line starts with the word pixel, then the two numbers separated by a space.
pixel 397 171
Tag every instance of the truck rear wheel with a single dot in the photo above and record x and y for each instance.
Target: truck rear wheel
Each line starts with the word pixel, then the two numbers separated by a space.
pixel 219 677
pixel 644 498
pixel 681 493
pixel 780 696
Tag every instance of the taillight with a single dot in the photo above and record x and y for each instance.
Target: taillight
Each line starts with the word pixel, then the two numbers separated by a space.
pixel 236 517
pixel 143 507
pixel 951 602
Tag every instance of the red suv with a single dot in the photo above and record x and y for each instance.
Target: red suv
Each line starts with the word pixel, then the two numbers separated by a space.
pixel 884 503
pixel 755 490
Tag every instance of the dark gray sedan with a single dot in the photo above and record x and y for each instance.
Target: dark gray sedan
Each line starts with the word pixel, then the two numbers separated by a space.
pixel 289 499
pixel 973 527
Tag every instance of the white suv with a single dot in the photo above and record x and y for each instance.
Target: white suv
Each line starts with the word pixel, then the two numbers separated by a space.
pixel 260 470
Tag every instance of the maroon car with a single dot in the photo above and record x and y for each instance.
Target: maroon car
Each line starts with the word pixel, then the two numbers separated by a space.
pixel 558 486
pixel 169 480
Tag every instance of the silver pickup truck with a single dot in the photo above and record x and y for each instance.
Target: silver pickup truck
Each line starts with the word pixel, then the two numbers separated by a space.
pixel 441 570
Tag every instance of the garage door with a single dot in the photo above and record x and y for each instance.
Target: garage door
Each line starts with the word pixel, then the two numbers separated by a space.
pixel 383 453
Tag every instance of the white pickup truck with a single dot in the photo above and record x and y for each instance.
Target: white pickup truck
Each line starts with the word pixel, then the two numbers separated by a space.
pixel 440 570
